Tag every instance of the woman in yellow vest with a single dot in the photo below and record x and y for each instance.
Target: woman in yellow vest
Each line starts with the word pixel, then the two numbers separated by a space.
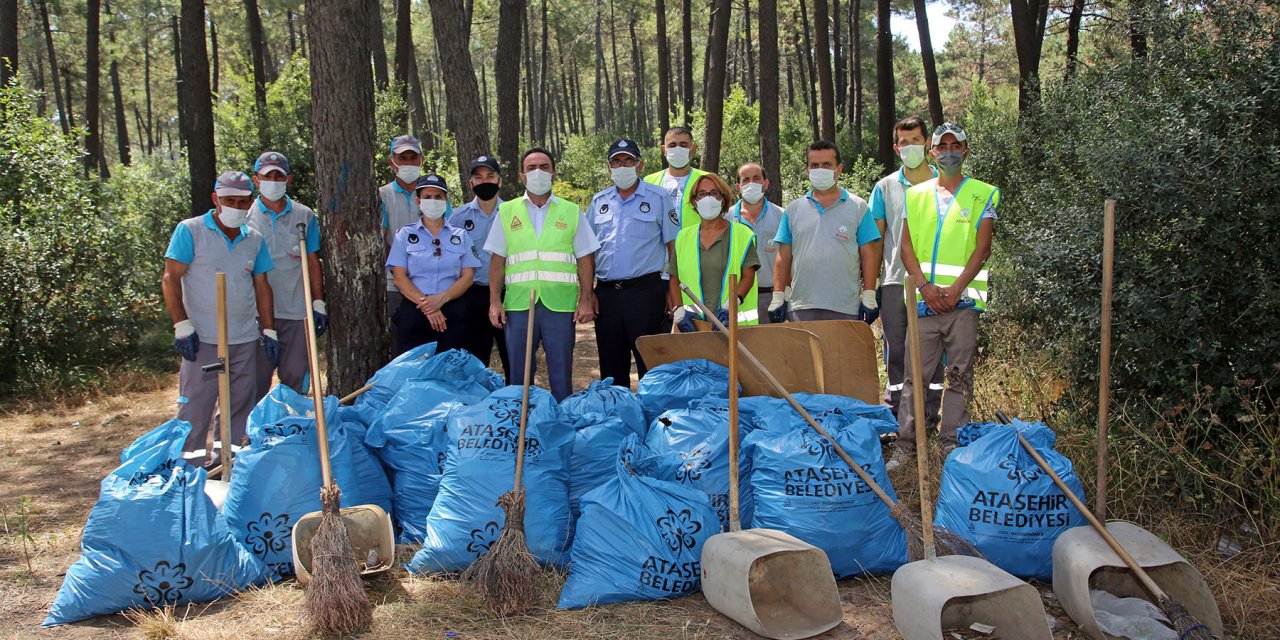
pixel 711 251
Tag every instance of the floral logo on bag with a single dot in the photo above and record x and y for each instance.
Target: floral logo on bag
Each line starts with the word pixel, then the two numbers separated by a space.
pixel 164 584
pixel 815 444
pixel 140 478
pixel 1017 473
pixel 268 534
pixel 483 538
pixel 678 529
pixel 695 462
pixel 507 411
pixel 282 429
pixel 440 458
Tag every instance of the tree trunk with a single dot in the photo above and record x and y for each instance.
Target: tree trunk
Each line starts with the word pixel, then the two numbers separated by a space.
pixel 791 86
pixel 884 82
pixel 213 48
pixel 1137 29
pixel 71 111
pixel 293 33
pixel 1073 37
pixel 855 73
pixel 822 58
pixel 770 153
pixel 352 244
pixel 601 79
pixel 53 68
pixel 838 54
pixel 1029 19
pixel 461 92
pixel 197 102
pixel 686 82
pixel 179 91
pixel 619 99
pixel 530 81
pixel 146 85
pixel 35 67
pixel 544 85
pixel 718 49
pixel 809 73
pixel 418 106
pixel 664 68
pixel 122 121
pixel 93 84
pixel 506 80
pixel 753 81
pixel 8 40
pixel 377 44
pixel 638 79
pixel 404 47
pixel 257 55
pixel 930 68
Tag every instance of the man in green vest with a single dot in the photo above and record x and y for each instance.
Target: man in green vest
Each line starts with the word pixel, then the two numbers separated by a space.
pixel 543 245
pixel 678 149
pixel 946 240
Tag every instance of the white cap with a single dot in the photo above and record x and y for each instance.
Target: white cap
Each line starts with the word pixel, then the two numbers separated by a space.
pixel 951 128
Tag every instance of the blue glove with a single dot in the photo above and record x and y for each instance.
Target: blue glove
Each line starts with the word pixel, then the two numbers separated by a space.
pixel 723 316
pixel 321 316
pixel 271 345
pixel 867 315
pixel 185 340
pixel 869 306
pixel 686 324
pixel 779 314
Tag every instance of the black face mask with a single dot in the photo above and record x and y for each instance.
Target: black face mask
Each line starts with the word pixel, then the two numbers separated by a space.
pixel 485 190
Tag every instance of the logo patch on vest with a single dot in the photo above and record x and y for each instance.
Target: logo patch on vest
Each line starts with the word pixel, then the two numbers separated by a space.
pixel 560 224
pixel 963 215
pixel 515 223
pixel 469 224
pixel 413 238
pixel 842 233
pixel 455 240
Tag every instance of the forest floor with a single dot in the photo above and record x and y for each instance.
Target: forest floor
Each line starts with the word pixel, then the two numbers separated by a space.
pixel 56 455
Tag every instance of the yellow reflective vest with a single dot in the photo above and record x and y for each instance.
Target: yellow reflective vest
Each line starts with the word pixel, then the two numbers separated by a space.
pixel 688 216
pixel 944 241
pixel 544 263
pixel 689 269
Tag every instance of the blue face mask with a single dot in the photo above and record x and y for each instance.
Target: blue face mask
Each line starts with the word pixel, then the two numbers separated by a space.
pixel 949 162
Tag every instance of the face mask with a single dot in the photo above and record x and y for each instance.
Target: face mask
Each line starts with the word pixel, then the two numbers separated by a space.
pixel 485 190
pixel 949 162
pixel 623 177
pixel 709 208
pixel 272 190
pixel 538 182
pixel 408 172
pixel 912 155
pixel 678 157
pixel 752 192
pixel 433 209
pixel 233 218
pixel 822 179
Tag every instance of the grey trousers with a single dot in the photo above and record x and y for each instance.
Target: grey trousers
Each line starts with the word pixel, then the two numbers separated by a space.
pixel 806 315
pixel 198 398
pixel 956 334
pixel 893 319
pixel 293 367
pixel 762 306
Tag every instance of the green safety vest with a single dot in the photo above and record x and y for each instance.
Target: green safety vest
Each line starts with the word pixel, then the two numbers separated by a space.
pixel 688 216
pixel 943 249
pixel 544 263
pixel 689 268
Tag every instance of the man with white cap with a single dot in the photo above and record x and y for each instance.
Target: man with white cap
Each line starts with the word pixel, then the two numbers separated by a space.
pixel 399 207
pixel 200 248
pixel 763 217
pixel 635 222
pixel 276 217
pixel 678 148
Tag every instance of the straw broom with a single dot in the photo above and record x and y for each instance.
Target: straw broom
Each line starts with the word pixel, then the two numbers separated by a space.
pixel 948 543
pixel 506 574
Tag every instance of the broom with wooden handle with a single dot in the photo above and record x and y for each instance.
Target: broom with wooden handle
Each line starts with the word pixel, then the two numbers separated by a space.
pixel 506 574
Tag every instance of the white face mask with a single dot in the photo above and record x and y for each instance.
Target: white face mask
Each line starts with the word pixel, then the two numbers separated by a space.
pixel 623 177
pixel 433 209
pixel 272 190
pixel 822 179
pixel 709 208
pixel 752 192
pixel 678 157
pixel 408 172
pixel 538 182
pixel 912 155
pixel 233 218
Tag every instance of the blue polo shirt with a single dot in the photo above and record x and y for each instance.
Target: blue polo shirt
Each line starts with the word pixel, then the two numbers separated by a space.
pixel 472 219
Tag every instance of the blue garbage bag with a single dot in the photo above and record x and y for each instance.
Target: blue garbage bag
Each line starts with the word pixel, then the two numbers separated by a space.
pixel 700 434
pixel 995 495
pixel 786 418
pixel 674 385
pixel 595 447
pixel 1039 438
pixel 388 380
pixel 801 486
pixel 602 396
pixel 640 537
pixel 465 519
pixel 153 538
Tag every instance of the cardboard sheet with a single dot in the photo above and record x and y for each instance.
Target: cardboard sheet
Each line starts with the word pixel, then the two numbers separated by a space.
pixel 794 356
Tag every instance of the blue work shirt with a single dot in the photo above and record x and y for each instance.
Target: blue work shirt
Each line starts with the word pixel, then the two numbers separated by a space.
pixel 414 249
pixel 472 219
pixel 633 232
pixel 866 232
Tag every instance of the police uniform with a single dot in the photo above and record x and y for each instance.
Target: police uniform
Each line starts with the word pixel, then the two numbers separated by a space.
pixel 634 233
pixel 766 229
pixel 826 264
pixel 433 263
pixel 479 334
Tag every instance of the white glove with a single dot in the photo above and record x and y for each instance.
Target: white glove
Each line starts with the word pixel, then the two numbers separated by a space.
pixel 318 307
pixel 778 300
pixel 270 333
pixel 183 329
pixel 869 299
pixel 678 314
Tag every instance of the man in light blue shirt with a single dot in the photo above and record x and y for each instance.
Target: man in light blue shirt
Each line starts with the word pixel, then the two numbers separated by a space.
pixel 476 218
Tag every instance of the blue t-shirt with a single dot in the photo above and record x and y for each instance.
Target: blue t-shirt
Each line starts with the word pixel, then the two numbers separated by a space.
pixel 866 232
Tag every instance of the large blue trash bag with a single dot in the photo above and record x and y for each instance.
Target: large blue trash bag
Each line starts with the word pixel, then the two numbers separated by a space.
pixel 801 486
pixel 462 370
pixel 640 537
pixel 388 380
pixel 674 385
pixel 995 495
pixel 700 434
pixel 595 447
pixel 818 404
pixel 602 396
pixel 465 519
pixel 154 539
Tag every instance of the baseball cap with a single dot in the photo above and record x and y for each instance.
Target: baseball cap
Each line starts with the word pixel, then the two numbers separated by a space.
pixel 432 180
pixel 271 161
pixel 233 183
pixel 951 128
pixel 485 161
pixel 624 146
pixel 405 143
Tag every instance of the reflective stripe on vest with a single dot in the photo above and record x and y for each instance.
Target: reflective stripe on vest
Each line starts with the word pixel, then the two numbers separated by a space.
pixel 540 262
pixel 689 269
pixel 944 248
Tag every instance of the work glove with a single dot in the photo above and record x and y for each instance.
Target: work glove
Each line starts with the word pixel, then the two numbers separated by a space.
pixel 185 340
pixel 683 319
pixel 321 316
pixel 869 309
pixel 722 315
pixel 778 306
pixel 271 345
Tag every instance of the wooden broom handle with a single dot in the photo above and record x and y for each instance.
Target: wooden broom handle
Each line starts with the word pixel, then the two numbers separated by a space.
pixel 1104 365
pixel 917 407
pixel 224 376
pixel 313 362
pixel 524 393
pixel 735 522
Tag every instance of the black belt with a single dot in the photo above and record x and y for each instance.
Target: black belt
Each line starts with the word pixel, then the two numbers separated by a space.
pixel 630 282
pixel 764 289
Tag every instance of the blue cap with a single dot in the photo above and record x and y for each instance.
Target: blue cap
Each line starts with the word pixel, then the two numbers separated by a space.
pixel 405 143
pixel 485 161
pixel 271 161
pixel 233 183
pixel 624 146
pixel 431 180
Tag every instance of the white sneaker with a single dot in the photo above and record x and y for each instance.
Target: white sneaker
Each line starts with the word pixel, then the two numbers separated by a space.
pixel 898 459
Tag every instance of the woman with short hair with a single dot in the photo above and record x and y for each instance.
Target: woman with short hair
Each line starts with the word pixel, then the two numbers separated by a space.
pixel 711 251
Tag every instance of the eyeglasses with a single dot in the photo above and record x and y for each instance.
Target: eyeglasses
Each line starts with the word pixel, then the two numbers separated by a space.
pixel 436 242
pixel 708 194
pixel 623 161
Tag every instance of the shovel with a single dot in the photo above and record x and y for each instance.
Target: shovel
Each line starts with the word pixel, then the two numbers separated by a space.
pixel 217 489
pixel 774 584
pixel 954 591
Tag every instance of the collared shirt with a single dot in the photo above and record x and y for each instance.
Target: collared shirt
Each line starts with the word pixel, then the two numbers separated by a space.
pixel 889 203
pixel 585 242
pixel 472 219
pixel 398 210
pixel 280 230
pixel 766 228
pixel 633 232
pixel 826 266
pixel 714 260
pixel 414 250
pixel 675 186
pixel 201 244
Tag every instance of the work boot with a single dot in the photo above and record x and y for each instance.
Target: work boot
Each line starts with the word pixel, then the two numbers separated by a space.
pixel 898 459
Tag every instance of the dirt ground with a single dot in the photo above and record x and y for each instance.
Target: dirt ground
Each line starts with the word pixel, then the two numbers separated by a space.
pixel 56 457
